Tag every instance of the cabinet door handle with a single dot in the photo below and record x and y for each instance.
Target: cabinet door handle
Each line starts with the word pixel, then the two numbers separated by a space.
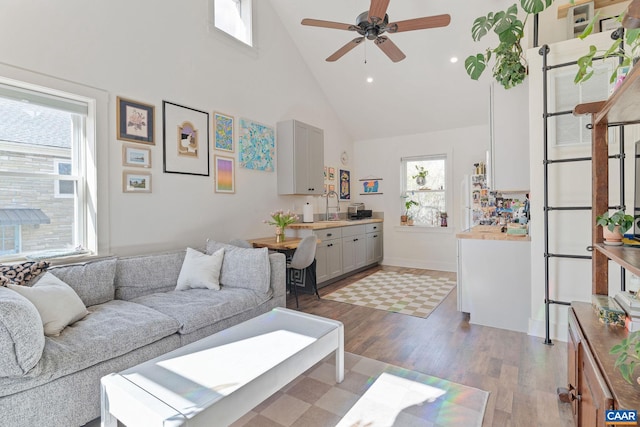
pixel 329 234
pixel 355 240
pixel 329 245
pixel 375 235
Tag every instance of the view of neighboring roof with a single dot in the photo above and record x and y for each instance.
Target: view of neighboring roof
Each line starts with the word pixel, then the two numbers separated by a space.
pixel 32 124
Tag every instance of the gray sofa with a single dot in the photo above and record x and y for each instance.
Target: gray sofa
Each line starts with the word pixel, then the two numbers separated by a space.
pixel 135 314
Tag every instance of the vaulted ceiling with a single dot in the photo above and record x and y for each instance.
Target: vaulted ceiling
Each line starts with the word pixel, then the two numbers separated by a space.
pixel 423 93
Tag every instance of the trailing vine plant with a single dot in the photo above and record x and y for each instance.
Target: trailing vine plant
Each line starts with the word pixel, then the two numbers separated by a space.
pixel 631 50
pixel 510 68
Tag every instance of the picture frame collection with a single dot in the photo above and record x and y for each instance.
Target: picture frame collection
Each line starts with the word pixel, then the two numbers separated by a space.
pixel 185 144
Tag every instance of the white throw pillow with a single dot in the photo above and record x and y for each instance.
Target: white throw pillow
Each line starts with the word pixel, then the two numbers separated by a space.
pixel 200 270
pixel 56 302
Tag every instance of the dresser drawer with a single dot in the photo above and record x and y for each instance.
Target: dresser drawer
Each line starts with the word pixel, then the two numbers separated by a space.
pixel 371 228
pixel 328 233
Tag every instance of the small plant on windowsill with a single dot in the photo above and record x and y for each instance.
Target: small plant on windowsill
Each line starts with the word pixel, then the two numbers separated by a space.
pixel 614 226
pixel 406 218
pixel 629 356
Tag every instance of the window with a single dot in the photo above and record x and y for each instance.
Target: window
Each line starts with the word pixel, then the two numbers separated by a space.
pixel 234 18
pixel 429 194
pixel 43 147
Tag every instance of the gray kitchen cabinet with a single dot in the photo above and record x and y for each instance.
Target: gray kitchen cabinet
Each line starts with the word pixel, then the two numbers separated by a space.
pixel 509 162
pixel 354 248
pixel 300 158
pixel 374 243
pixel 328 254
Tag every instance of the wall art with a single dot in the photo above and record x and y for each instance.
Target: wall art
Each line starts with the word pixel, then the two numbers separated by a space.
pixel 345 184
pixel 223 132
pixel 136 156
pixel 225 174
pixel 256 146
pixel 186 139
pixel 371 186
pixel 136 182
pixel 135 121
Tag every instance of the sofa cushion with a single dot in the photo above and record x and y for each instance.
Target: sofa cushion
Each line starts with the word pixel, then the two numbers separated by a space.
pixel 197 308
pixel 200 270
pixel 147 274
pixel 56 302
pixel 111 330
pixel 21 334
pixel 243 267
pixel 92 281
pixel 22 273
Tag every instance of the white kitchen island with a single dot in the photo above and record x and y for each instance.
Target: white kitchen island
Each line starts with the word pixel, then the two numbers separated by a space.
pixel 494 279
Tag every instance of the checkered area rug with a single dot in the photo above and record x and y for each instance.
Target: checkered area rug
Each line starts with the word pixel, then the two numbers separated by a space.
pixel 405 293
pixel 373 394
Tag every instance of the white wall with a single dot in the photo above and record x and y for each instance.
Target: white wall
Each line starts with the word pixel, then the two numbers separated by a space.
pixel 569 185
pixel 151 51
pixel 415 246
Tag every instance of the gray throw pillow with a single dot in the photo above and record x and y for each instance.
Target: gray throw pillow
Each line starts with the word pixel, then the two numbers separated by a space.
pixel 21 334
pixel 244 267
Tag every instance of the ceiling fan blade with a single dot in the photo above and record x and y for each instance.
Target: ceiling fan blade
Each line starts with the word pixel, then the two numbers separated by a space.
pixel 328 24
pixel 419 23
pixel 390 49
pixel 344 49
pixel 378 10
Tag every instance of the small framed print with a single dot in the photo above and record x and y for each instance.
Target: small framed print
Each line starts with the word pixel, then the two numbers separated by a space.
pixel 223 132
pixel 136 157
pixel 608 24
pixel 186 139
pixel 136 121
pixel 225 174
pixel 135 182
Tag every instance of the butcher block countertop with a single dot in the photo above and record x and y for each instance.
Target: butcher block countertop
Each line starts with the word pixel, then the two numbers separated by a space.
pixel 491 232
pixel 320 225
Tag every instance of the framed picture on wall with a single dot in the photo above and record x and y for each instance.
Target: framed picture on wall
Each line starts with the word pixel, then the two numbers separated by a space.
pixel 136 182
pixel 137 157
pixel 345 184
pixel 223 135
pixel 225 174
pixel 135 121
pixel 185 140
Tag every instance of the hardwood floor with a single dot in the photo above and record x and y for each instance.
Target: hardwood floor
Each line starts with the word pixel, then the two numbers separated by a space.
pixel 520 372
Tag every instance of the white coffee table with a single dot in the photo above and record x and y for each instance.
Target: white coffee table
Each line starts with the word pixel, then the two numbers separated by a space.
pixel 218 379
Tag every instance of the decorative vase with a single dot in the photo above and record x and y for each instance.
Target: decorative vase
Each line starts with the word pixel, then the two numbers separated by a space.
pixel 403 219
pixel 279 234
pixel 612 238
pixel 421 180
pixel 409 221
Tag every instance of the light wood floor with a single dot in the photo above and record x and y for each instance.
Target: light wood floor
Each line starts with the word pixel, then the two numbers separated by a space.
pixel 520 372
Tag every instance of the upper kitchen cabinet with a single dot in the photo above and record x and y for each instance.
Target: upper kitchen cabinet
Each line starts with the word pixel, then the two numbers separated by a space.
pixel 300 158
pixel 510 138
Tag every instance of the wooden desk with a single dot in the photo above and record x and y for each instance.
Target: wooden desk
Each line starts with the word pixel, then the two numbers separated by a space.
pixel 290 243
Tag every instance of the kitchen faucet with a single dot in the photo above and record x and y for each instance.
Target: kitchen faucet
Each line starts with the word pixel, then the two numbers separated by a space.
pixel 336 207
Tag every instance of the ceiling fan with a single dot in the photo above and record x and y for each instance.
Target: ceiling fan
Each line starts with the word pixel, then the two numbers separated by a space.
pixel 372 23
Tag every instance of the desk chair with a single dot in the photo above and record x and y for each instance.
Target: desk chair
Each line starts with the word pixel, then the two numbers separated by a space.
pixel 302 258
pixel 240 243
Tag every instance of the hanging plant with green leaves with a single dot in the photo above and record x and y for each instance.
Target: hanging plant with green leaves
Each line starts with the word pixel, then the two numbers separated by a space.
pixel 628 54
pixel 510 68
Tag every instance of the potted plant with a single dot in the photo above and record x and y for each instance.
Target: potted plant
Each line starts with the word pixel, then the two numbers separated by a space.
pixel 407 204
pixel 510 68
pixel 614 226
pixel 421 176
pixel 281 219
pixel 629 356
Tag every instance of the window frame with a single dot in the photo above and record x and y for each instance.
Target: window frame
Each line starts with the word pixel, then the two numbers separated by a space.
pixel 250 48
pixel 84 162
pixel 404 161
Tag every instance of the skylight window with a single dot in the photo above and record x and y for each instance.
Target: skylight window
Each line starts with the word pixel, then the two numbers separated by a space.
pixel 234 18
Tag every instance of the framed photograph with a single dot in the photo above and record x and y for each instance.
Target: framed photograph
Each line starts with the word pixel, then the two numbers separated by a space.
pixel 135 121
pixel 225 174
pixel 345 185
pixel 223 132
pixel 256 146
pixel 185 140
pixel 608 24
pixel 137 157
pixel 332 174
pixel 136 182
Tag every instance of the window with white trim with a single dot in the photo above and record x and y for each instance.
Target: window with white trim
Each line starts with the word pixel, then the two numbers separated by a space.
pixel 429 194
pixel 43 153
pixel 234 17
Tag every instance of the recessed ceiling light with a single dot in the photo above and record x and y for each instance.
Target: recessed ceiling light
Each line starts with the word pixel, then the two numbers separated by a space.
pixel 453 59
pixel 369 79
